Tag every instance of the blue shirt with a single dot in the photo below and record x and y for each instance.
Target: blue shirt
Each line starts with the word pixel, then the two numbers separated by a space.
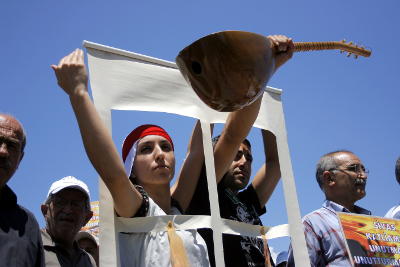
pixel 324 237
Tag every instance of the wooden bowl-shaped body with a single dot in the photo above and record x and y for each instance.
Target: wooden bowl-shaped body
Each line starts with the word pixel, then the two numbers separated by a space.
pixel 228 70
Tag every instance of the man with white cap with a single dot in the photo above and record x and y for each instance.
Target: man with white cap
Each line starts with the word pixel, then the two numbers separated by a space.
pixel 395 211
pixel 66 211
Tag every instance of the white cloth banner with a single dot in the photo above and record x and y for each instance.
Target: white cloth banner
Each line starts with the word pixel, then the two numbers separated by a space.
pixel 122 80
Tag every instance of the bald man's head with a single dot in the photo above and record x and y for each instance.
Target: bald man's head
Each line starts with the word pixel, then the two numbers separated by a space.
pixel 12 143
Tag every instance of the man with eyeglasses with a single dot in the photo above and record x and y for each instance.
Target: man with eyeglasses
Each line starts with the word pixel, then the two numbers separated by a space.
pixel 395 211
pixel 342 177
pixel 66 211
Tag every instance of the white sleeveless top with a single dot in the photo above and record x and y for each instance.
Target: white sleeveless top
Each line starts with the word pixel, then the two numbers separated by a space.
pixel 152 249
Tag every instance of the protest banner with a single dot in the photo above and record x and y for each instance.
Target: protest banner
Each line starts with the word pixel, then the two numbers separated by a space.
pixel 93 225
pixel 371 241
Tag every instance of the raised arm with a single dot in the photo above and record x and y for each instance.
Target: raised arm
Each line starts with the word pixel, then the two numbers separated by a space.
pixel 236 128
pixel 240 122
pixel 184 188
pixel 72 78
pixel 268 175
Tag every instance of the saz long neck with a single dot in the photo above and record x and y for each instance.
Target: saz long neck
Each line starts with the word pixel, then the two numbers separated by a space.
pixel 348 47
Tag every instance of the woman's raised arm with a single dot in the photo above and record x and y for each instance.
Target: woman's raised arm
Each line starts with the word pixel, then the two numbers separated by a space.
pixel 73 79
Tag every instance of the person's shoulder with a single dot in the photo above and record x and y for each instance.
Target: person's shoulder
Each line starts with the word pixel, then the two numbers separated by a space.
pixel 249 190
pixel 314 222
pixel 31 218
pixel 314 215
pixel 28 212
pixel 86 259
pixel 249 196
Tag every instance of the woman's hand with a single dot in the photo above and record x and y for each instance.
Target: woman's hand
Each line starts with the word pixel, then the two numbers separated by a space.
pixel 71 73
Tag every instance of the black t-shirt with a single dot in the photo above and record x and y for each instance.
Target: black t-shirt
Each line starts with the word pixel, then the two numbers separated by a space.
pixel 20 241
pixel 243 207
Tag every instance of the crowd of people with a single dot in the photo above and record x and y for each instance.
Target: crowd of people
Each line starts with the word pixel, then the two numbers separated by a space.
pixel 66 210
pixel 139 184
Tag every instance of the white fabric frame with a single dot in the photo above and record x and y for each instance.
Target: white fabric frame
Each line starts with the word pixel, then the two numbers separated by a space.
pixel 123 80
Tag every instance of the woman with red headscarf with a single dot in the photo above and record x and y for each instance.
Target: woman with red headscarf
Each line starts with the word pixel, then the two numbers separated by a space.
pixel 149 161
pixel 140 184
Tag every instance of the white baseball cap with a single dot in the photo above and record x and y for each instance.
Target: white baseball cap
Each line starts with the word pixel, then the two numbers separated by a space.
pixel 69 182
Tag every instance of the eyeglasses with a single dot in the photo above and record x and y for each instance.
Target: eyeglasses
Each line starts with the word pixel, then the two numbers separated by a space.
pixel 356 168
pixel 75 204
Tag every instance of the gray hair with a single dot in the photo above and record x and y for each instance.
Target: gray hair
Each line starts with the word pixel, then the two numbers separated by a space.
pixel 327 162
pixel 397 170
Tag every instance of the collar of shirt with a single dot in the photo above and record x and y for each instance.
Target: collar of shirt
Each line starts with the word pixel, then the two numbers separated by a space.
pixel 50 245
pixel 8 199
pixel 333 206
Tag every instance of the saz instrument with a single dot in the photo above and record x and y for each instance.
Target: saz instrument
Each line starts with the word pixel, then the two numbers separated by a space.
pixel 228 70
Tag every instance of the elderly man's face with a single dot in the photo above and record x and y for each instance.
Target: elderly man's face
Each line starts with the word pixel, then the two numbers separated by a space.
pixel 11 136
pixel 349 177
pixel 66 214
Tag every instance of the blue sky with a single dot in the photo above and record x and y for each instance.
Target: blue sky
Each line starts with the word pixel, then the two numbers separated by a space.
pixel 330 101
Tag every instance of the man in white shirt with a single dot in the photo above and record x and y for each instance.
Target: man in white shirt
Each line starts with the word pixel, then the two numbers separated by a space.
pixel 395 211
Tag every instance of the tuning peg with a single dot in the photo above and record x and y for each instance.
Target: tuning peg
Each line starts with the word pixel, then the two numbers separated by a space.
pixel 349 54
pixel 344 41
pixel 350 43
pixel 341 51
pixel 355 56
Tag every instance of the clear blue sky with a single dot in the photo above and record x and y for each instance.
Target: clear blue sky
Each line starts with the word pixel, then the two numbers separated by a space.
pixel 330 101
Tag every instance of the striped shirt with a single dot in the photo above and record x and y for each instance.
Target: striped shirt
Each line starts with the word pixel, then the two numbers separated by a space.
pixel 393 213
pixel 325 241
